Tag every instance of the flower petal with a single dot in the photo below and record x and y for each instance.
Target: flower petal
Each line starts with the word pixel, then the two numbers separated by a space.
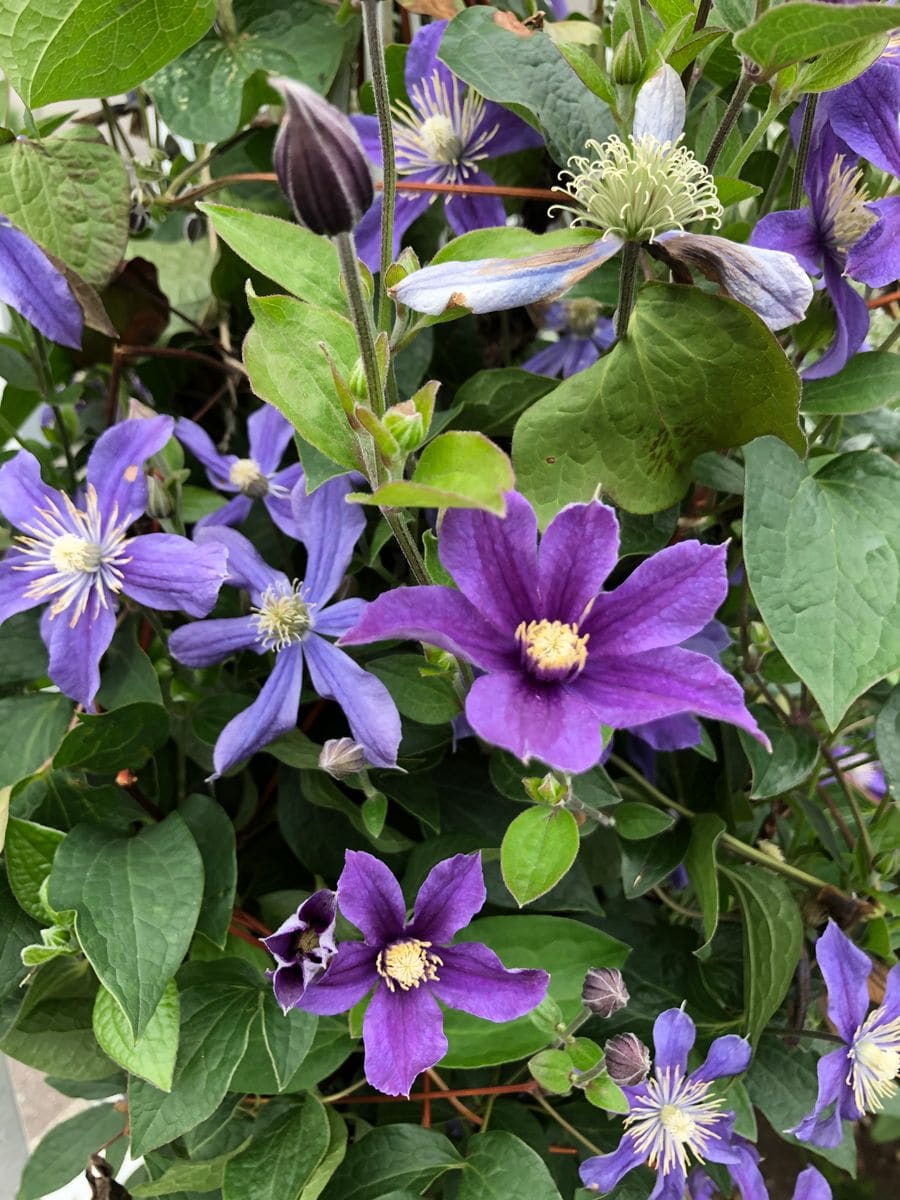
pixel 370 139
pixel 205 642
pixel 201 445
pixel 864 114
pixel 551 359
pixel 369 897
pixel 350 974
pixel 474 980
pixel 822 1127
pixel 166 572
pixel 75 652
pixel 116 465
pixel 466 213
pixel 508 133
pixel 453 892
pixel 875 259
pixel 329 528
pixel 669 733
pixel 367 704
pixel 793 231
pixel 235 512
pixel 13 585
pixel 422 57
pixel 245 566
pixel 22 491
pixel 577 553
pixel 278 498
pixel 404 1035
pixel 851 320
pixel 273 712
pixel 811 1185
pixel 34 287
pixel 669 1186
pixel 604 1171
pixel 728 1055
pixel 674 1033
pixel 269 435
pixel 746 1173
pixel 336 619
pixel 846 970
pixel 581 353
pixel 409 207
pixel 660 106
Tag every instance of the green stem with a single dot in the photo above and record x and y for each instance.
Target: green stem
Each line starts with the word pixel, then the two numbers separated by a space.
pixel 858 818
pixel 891 338
pixel 733 167
pixel 742 90
pixel 361 315
pixel 809 118
pixel 371 10
pixel 637 26
pixel 768 201
pixel 570 1129
pixel 407 544
pixel 627 281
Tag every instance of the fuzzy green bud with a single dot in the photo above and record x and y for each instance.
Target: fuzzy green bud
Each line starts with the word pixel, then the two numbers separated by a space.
pixel 627 66
pixel 406 424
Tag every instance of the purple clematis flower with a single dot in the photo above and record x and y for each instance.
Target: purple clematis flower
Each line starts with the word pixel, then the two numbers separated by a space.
pixel 412 965
pixel 34 287
pixel 253 478
pixel 561 657
pixel 644 192
pixel 747 1177
pixel 671 1115
pixel 857 1078
pixel 302 947
pixel 583 336
pixel 77 555
pixel 440 137
pixel 863 112
pixel 840 234
pixel 294 619
pixel 869 777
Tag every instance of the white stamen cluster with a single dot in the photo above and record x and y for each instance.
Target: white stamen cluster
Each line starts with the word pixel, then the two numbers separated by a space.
pixel 248 477
pixel 640 188
pixel 845 217
pixel 582 316
pixel 673 1120
pixel 875 1061
pixel 408 964
pixel 76 556
pixel 282 617
pixel 447 137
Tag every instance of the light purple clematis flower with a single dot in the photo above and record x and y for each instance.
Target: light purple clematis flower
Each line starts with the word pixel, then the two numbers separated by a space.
pixel 76 555
pixel 411 965
pixel 561 657
pixel 583 336
pixel 645 192
pixel 672 1116
pixel 294 619
pixel 840 234
pixel 747 1177
pixel 858 1077
pixel 34 287
pixel 256 477
pixel 302 947
pixel 864 112
pixel 442 136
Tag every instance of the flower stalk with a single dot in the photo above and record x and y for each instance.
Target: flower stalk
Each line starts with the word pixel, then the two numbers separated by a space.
pixel 735 107
pixel 375 46
pixel 627 285
pixel 809 120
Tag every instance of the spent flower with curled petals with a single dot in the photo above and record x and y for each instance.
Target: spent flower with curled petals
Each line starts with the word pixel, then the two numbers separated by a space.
pixel 302 947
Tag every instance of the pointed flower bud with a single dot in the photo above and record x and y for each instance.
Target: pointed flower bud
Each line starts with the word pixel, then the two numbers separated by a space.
pixel 627 66
pixel 341 757
pixel 320 162
pixel 627 1060
pixel 604 991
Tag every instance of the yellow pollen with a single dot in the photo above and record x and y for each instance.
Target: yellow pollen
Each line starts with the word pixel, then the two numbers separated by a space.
pixel 72 553
pixel 440 139
pixel 407 964
pixel 677 1122
pixel 248 477
pixel 130 474
pixel 553 645
pixel 307 940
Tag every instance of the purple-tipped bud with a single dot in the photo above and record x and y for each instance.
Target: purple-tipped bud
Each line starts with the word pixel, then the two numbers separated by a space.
pixel 341 757
pixel 604 991
pixel 627 1060
pixel 320 163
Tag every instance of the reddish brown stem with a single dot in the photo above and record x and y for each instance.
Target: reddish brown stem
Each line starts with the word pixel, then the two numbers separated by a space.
pixel 506 1089
pixel 881 301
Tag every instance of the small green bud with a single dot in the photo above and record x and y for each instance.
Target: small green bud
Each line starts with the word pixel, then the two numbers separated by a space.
pixel 406 424
pixel 547 790
pixel 357 381
pixel 405 265
pixel 627 65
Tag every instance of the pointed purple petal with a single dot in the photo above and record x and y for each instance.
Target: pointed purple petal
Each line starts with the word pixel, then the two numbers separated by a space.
pixel 370 139
pixel 422 57
pixel 197 440
pixel 728 1055
pixel 660 107
pixel 811 1185
pixel 875 259
pixel 245 566
pixel 846 970
pixel 205 642
pixel 235 512
pixel 892 996
pixel 674 1034
pixel 577 553
pixel 669 1186
pixel 34 287
pixel 23 492
pixel 604 1171
pixel 335 620
pixel 510 133
pixel 404 1035
pixel 278 500
pixel 581 353
pixel 794 232
pixel 550 360
pixel 75 653
pixel 851 318
pixel 669 733
pixel 864 114
pixel 273 712
pixel 466 213
pixel 453 892
pixel 369 897
pixel 166 572
pixel 269 435
pixel 350 974
pixel 817 1128
pixel 409 207
pixel 367 236
pixel 474 980
pixel 116 465
pixel 329 528
pixel 367 704
pixel 13 585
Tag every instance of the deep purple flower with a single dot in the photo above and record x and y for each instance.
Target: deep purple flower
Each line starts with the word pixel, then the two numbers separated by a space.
pixel 412 965
pixel 858 1077
pixel 863 113
pixel 583 336
pixel 256 477
pixel 294 619
pixel 561 657
pixel 672 1115
pixel 34 287
pixel 840 234
pixel 441 136
pixel 77 554
pixel 302 947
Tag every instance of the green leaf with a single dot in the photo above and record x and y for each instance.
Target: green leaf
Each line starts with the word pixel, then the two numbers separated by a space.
pixel 392 1157
pixel 647 863
pixel 887 737
pixel 837 67
pixel 702 869
pixel 214 834
pixel 280 1162
pixel 302 262
pixel 456 470
pixel 822 554
pixel 802 29
pixel 287 368
pixel 331 1046
pixel 111 741
pixel 490 401
pixel 189 1176
pixel 793 756
pixel 635 821
pixel 333 1157
pixel 553 1071
pixel 537 850
pixel 78 49
pixel 33 727
pixel 72 197
pixel 497 1158
pixel 23 655
pixel 732 191
pixel 128 674
pixel 61 1154
pixel 422 696
pixel 17 930
pixel 30 850
pixel 201 94
pixel 152 1055
pixel 277 1046
pixel 867 382
pixel 697 372
pixel 136 901
pixel 773 940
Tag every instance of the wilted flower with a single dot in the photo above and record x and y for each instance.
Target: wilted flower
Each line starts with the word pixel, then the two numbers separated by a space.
pixel 604 991
pixel 583 336
pixel 34 287
pixel 302 947
pixel 627 1059
pixel 341 757
pixel 412 965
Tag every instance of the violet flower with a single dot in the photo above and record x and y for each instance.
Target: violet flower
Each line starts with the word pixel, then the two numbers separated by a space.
pixel 256 477
pixel 644 192
pixel 441 136
pixel 744 1171
pixel 863 112
pixel 302 947
pixel 858 1077
pixel 34 287
pixel 561 657
pixel 868 776
pixel 294 619
pixel 583 336
pixel 840 234
pixel 672 1116
pixel 411 965
pixel 77 555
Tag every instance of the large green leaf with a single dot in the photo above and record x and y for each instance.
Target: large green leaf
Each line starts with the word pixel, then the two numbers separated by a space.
pixel 278 1164
pixel 108 742
pixel 30 849
pixel 696 372
pixel 802 29
pixel 277 1046
pixel 33 727
pixel 823 559
pixel 152 1055
pixel 702 868
pixel 790 761
pixel 136 901
pixel 867 382
pixel 73 49
pixel 392 1157
pixel 214 834
pixel 61 1154
pixel 496 1158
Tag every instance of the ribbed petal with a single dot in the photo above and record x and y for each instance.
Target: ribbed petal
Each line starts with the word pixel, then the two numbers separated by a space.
pixel 422 58
pixel 169 572
pixel 235 512
pixel 13 585
pixel 203 643
pixel 273 712
pixel 811 1185
pixel 549 360
pixel 329 528
pixel 846 970
pixel 75 653
pixel 660 106
pixel 22 491
pixel 875 259
pixel 245 566
pixel 581 353
pixel 404 1036
pixel 793 231
pixel 34 287
pixel 278 499
pixel 473 979
pixel 728 1055
pixel 452 894
pixel 197 440
pixel 746 1173
pixel 466 213
pixel 851 319
pixel 116 464
pixel 674 1034
pixel 350 974
pixel 822 1127
pixel 604 1171
pixel 577 553
pixel 864 114
pixel 335 620
pixel 670 1186
pixel 367 704
pixel 269 435
pixel 369 897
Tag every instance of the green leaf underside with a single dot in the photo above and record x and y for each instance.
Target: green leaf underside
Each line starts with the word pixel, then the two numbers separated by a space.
pixel 802 29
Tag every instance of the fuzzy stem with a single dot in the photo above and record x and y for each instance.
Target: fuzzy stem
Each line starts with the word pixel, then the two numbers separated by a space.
pixel 627 281
pixel 858 818
pixel 361 315
pixel 371 10
pixel 742 90
pixel 809 119
pixel 733 168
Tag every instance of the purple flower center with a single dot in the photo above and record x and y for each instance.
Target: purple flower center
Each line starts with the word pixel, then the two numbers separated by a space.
pixel 249 478
pixel 407 964
pixel 673 1117
pixel 553 651
pixel 441 129
pixel 283 616
pixel 875 1061
pixel 846 218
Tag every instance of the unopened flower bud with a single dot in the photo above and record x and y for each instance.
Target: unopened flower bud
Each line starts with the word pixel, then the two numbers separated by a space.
pixel 357 381
pixel 627 1060
pixel 320 163
pixel 627 66
pixel 340 757
pixel 604 991
pixel 160 502
pixel 406 424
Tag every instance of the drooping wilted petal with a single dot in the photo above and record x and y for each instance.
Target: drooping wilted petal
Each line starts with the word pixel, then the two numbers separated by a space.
pixel 660 108
pixel 116 465
pixel 34 287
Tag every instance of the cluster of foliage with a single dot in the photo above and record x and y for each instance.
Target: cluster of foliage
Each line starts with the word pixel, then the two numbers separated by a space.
pixel 357 841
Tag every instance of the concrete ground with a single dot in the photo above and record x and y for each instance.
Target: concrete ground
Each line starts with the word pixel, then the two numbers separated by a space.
pixel 28 1108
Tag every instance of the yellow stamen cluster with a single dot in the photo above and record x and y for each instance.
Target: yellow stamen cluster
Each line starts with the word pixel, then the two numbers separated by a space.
pixel 673 1120
pixel 282 617
pixel 408 964
pixel 582 316
pixel 306 941
pixel 875 1061
pixel 553 646
pixel 73 553
pixel 249 478
pixel 845 214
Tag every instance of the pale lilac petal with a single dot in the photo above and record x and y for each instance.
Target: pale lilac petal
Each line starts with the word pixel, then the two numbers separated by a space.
pixel 811 1185
pixel 367 131
pixel 794 231
pixel 722 1148
pixel 669 1186
pixel 197 440
pixel 245 566
pixel 329 528
pixel 272 713
pixel 23 492
pixel 235 512
pixel 728 1055
pixel 577 553
pixel 674 1035
pixel 350 974
pixel 491 284
pixel 452 894
pixel 34 287
pixel 116 465
pixel 75 652
pixel 422 57
pixel 13 585
pixel 494 561
pixel 166 572
pixel 203 643
pixel 581 353
pixel 335 620
pixel 367 704
pixel 404 1036
pixel 604 1171
pixel 660 107
pixel 369 897
pixel 851 318
pixel 846 970
pixel 550 360
pixel 891 996
pixel 466 213
pixel 473 979
pixel 278 498
pixel 864 114
pixel 268 434
pixel 875 259
pixel 666 600
pixel 822 1127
